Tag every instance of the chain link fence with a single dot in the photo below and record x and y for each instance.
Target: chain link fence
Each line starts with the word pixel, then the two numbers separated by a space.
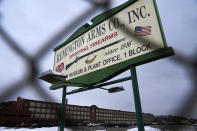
pixel 187 107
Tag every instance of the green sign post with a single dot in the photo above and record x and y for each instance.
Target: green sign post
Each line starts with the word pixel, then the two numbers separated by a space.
pixel 62 117
pixel 136 95
pixel 118 39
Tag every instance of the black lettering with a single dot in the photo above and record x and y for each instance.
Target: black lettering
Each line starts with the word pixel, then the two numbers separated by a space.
pixel 148 46
pixel 98 31
pixel 111 59
pixel 143 12
pixel 138 50
pixel 137 14
pixel 82 38
pixel 132 15
pixel 103 28
pixel 110 26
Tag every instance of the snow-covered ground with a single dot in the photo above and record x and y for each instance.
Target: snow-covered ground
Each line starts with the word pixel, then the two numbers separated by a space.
pixel 147 128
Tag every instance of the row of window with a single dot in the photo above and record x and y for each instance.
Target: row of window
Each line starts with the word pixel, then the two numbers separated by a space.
pixel 115 115
pixel 44 105
pixel 102 111
pixel 68 107
pixel 53 111
pixel 77 108
pixel 47 116
pixel 115 118
pixel 78 117
pixel 43 110
pixel 44 116
pixel 77 113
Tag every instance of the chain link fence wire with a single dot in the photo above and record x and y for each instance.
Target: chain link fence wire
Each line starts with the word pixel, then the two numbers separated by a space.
pixel 187 107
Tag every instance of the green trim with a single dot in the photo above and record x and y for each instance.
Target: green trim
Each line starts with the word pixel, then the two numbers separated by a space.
pixel 160 24
pixel 54 62
pixel 99 86
pixel 95 21
pixel 63 84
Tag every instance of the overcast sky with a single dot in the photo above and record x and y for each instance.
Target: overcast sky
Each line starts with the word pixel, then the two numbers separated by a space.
pixel 163 84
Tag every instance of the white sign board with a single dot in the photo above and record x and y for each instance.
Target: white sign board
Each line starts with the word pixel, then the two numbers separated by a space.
pixel 132 32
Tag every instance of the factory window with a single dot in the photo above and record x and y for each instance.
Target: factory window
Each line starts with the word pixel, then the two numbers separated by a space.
pixel 44 105
pixel 77 108
pixel 52 116
pixel 48 105
pixel 53 106
pixel 38 104
pixel 47 116
pixel 74 108
pixel 48 110
pixel 31 109
pixel 37 115
pixel 42 116
pixel 43 110
pixel 53 111
pixel 32 104
pixel 37 109
pixel 58 106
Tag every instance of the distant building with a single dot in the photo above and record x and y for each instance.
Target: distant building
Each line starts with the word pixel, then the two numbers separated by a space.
pixel 33 111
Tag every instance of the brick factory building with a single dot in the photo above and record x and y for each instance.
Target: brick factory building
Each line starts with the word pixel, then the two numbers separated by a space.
pixel 33 111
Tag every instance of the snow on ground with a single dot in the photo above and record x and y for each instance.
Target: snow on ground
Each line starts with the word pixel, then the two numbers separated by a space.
pixel 147 128
pixel 33 129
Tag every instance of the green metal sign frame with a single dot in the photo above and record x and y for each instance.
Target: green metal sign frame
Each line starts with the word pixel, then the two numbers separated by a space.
pixel 111 71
